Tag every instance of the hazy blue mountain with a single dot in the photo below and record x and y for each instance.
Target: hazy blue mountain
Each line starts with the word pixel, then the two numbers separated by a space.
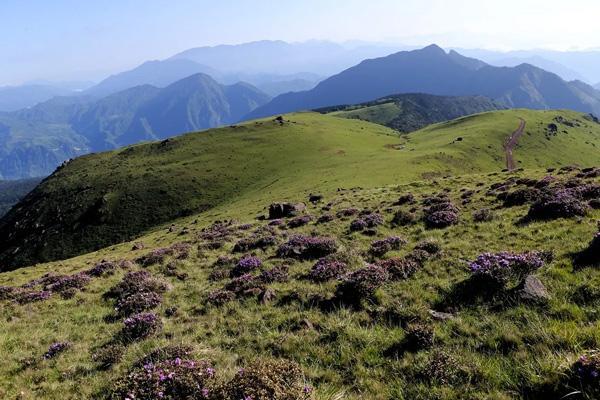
pixel 585 64
pixel 33 142
pixel 276 88
pixel 14 98
pixel 597 86
pixel 431 70
pixel 551 66
pixel 282 58
pixel 13 191
pixel 155 73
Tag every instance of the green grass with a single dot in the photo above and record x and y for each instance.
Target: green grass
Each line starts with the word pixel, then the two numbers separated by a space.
pixel 106 198
pixel 382 114
pixel 508 352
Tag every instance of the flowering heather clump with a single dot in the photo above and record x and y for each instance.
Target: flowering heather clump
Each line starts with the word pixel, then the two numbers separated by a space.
pixel 254 242
pixel 521 196
pixel 66 282
pixel 276 222
pixel 403 218
pixel 307 247
pixel 399 268
pixel 217 231
pixel 430 246
pixel 299 221
pixel 244 285
pixel 276 274
pixel 483 215
pixel 136 282
pixel 140 326
pixel 405 199
pixel 559 204
pixel 442 368
pixel 441 215
pixel 103 268
pixel 327 269
pixel 137 303
pixel 108 355
pixel 347 212
pixel 267 380
pixel 418 337
pixel 358 225
pixel 500 268
pixel 158 256
pixel 55 349
pixel 220 297
pixel 361 284
pixel 586 370
pixel 325 218
pixel 381 247
pixel 245 265
pixel 9 292
pixel 170 380
pixel 31 297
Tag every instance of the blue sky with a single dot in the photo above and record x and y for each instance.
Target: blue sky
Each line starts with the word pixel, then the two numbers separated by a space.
pixel 67 39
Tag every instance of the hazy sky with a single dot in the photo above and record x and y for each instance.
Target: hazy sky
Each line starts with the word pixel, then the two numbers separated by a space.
pixel 81 39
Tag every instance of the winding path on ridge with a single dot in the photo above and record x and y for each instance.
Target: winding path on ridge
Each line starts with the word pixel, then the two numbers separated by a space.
pixel 510 144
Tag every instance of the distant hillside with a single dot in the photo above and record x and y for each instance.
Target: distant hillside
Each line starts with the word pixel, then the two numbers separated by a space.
pixel 597 86
pixel 14 98
pixel 411 112
pixel 106 198
pixel 155 73
pixel 13 191
pixel 39 139
pixel 431 70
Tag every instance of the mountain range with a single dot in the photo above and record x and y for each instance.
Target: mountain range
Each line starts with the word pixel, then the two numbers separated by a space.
pixel 432 70
pixel 37 140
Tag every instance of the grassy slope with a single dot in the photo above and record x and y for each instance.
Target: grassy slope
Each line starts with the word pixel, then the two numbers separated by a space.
pixel 154 183
pixel 508 351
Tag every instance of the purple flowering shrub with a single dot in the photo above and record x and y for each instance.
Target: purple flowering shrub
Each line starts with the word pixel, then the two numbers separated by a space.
pixel 299 221
pixel 327 269
pixel 500 268
pixel 275 274
pixel 307 247
pixel 138 302
pixel 361 284
pixel 358 225
pixel 371 220
pixel 347 212
pixel 245 265
pixel 399 268
pixel 586 373
pixel 521 196
pixel 220 297
pixel 55 349
pixel 381 247
pixel 483 215
pixel 403 218
pixel 256 241
pixel 325 218
pixel 267 380
pixel 440 215
pixel 558 204
pixel 140 326
pixel 136 282
pixel 103 268
pixel 158 256
pixel 407 198
pixel 26 297
pixel 65 282
pixel 108 355
pixel 169 379
pixel 245 285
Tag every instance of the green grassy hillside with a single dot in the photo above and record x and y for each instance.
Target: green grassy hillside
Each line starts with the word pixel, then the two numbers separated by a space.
pixel 411 112
pixel 496 345
pixel 101 199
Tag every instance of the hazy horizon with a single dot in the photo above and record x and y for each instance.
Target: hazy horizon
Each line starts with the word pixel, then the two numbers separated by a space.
pixel 69 40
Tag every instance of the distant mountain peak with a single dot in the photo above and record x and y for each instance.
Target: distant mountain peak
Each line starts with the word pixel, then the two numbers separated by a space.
pixel 433 48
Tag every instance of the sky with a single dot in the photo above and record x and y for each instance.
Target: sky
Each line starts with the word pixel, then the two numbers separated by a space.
pixel 87 40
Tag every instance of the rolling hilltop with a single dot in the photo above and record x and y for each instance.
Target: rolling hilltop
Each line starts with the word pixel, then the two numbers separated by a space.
pixel 389 290
pixel 431 70
pixel 101 199
pixel 411 112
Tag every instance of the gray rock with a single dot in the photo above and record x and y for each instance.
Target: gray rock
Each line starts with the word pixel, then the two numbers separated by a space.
pixel 440 316
pixel 284 210
pixel 534 290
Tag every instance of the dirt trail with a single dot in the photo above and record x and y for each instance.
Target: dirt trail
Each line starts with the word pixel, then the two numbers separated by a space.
pixel 510 144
